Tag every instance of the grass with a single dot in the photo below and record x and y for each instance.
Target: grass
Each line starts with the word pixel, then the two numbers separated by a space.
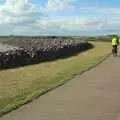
pixel 20 86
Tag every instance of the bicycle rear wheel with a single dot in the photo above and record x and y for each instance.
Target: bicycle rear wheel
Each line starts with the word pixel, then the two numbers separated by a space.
pixel 114 52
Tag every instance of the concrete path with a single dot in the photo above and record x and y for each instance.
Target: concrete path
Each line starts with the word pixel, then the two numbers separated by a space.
pixel 95 95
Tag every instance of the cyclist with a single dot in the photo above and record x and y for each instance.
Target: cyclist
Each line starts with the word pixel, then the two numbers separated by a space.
pixel 115 43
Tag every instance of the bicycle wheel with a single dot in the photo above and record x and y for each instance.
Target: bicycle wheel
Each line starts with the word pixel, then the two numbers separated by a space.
pixel 114 52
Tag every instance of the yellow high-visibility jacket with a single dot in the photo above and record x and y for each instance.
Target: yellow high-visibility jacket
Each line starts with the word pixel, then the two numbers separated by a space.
pixel 114 41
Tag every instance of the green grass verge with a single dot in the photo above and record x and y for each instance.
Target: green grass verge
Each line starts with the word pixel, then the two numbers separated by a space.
pixel 25 84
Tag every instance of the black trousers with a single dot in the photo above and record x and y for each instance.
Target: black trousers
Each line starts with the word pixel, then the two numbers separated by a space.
pixel 114 49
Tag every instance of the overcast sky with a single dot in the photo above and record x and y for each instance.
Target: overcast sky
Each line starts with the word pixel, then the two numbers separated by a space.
pixel 59 17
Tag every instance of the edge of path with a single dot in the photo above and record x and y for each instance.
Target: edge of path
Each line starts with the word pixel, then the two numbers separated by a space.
pixel 50 89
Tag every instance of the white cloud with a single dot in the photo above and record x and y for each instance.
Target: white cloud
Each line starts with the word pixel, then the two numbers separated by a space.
pixel 15 11
pixel 68 23
pixel 58 5
pixel 22 16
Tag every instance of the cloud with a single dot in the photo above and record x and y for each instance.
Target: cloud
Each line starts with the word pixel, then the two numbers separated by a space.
pixel 67 23
pixel 25 17
pixel 17 11
pixel 58 5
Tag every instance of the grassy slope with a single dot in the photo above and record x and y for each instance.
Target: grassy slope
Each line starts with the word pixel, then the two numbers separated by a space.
pixel 18 86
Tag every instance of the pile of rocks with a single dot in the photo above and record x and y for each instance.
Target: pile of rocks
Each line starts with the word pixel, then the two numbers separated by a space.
pixel 33 51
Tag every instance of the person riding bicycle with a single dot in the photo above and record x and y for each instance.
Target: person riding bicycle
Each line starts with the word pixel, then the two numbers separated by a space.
pixel 115 43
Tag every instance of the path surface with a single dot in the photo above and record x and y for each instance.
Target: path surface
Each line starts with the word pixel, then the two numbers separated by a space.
pixel 95 95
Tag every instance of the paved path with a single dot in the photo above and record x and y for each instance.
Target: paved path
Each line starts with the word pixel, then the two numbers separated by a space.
pixel 95 95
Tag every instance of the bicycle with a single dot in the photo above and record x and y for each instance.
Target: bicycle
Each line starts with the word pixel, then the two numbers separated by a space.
pixel 114 51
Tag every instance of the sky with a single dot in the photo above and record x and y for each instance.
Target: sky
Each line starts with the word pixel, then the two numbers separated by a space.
pixel 59 17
